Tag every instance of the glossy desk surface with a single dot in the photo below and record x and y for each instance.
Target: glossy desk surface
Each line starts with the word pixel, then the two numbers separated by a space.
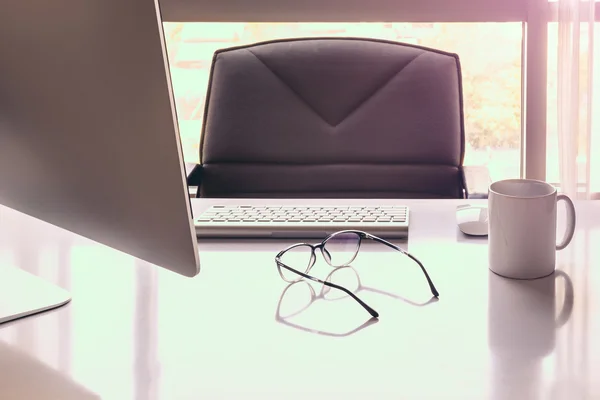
pixel 134 331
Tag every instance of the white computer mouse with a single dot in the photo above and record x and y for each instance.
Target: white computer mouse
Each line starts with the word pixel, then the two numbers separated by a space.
pixel 472 220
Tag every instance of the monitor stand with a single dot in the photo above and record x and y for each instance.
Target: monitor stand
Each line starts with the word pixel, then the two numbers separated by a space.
pixel 23 294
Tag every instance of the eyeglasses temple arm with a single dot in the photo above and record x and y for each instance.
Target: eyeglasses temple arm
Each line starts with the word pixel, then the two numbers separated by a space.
pixel 371 311
pixel 393 246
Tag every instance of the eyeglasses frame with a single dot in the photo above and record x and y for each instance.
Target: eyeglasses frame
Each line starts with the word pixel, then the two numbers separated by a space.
pixel 321 246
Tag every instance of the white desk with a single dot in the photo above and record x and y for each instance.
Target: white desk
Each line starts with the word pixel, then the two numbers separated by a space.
pixel 135 331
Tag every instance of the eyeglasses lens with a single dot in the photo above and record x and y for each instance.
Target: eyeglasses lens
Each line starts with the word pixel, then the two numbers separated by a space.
pixel 299 258
pixel 341 249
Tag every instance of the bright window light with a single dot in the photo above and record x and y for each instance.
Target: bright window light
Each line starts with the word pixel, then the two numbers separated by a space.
pixel 552 140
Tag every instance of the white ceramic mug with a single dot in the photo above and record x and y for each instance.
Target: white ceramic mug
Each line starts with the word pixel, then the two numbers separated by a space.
pixel 522 228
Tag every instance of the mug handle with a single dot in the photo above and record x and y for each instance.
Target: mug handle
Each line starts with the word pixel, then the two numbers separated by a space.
pixel 571 220
pixel 567 307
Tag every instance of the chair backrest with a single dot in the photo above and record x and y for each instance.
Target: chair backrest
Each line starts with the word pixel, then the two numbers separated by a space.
pixel 333 118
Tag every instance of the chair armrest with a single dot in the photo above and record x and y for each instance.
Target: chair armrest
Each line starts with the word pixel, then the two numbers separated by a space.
pixel 192 173
pixel 478 180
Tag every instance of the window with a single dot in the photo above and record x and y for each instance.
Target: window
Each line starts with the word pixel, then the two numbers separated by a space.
pixel 492 106
pixel 511 114
pixel 552 141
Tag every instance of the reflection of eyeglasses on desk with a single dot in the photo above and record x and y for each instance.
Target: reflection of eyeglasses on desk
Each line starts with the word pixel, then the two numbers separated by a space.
pixel 300 303
pixel 338 249
pixel 298 296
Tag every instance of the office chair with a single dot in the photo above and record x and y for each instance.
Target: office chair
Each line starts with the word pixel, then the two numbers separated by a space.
pixel 332 118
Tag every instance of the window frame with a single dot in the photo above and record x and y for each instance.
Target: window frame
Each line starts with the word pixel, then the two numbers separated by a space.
pixel 344 10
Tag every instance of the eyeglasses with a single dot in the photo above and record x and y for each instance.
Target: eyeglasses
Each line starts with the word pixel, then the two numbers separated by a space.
pixel 338 249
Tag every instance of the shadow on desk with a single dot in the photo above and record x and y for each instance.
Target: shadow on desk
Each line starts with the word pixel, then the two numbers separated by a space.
pixel 277 244
pixel 462 238
pixel 24 377
pixel 298 297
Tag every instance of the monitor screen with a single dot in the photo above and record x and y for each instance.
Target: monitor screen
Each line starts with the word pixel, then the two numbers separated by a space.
pixel 88 129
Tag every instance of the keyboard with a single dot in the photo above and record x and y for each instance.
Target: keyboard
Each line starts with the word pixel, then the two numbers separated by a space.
pixel 300 221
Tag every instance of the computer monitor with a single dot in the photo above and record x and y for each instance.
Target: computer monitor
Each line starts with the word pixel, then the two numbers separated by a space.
pixel 89 139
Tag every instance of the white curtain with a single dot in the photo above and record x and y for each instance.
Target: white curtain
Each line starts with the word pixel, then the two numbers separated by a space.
pixel 575 94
